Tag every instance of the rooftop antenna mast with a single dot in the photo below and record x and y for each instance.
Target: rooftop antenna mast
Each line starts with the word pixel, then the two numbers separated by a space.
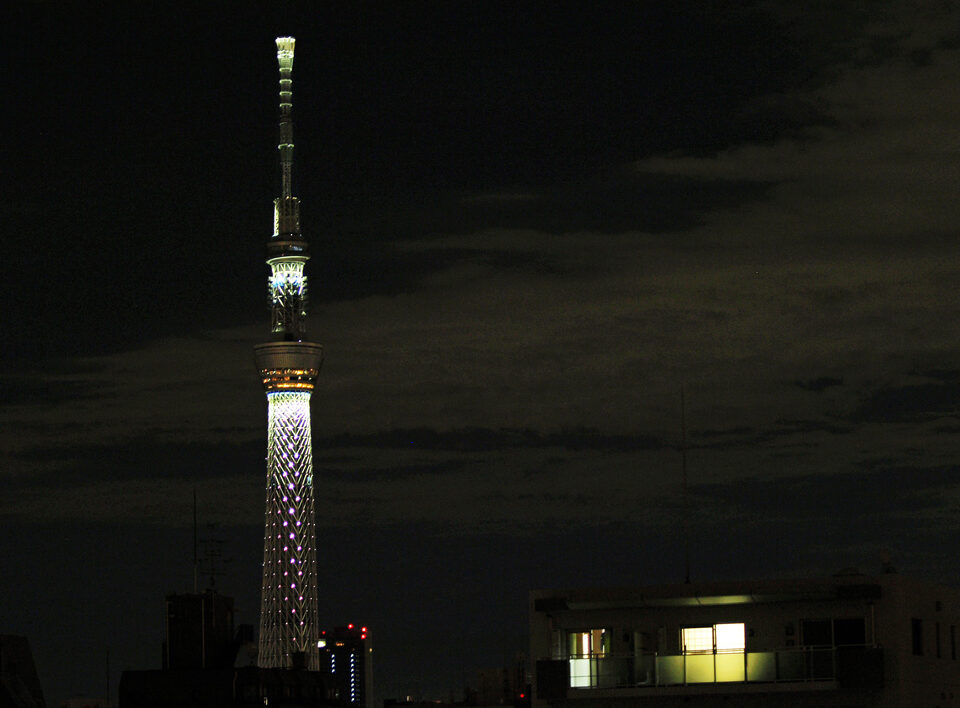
pixel 685 520
pixel 214 560
pixel 196 557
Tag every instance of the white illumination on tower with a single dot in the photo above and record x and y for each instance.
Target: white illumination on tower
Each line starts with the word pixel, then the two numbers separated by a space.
pixel 288 368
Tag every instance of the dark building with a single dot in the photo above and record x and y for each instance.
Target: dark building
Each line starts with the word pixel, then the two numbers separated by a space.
pixel 507 686
pixel 346 655
pixel 200 632
pixel 848 641
pixel 208 665
pixel 19 684
pixel 243 687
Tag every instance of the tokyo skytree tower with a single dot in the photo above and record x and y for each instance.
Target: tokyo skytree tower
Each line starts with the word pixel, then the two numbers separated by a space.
pixel 288 367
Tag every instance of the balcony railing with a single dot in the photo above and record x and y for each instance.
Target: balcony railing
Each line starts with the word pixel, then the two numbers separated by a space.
pixel 779 665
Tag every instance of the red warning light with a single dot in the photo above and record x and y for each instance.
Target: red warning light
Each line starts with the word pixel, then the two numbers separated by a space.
pixel 523 695
pixel 363 629
pixel 349 626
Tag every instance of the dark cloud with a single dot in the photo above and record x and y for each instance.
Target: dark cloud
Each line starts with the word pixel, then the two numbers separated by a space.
pixel 616 201
pixel 32 387
pixel 328 470
pixel 781 430
pixel 819 384
pixel 139 459
pixel 943 375
pixel 890 493
pixel 383 269
pixel 485 439
pixel 898 404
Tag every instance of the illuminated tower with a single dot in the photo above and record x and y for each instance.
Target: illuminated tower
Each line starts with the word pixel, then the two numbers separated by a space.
pixel 289 368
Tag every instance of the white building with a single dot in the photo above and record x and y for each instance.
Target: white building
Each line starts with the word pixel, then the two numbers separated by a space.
pixel 850 640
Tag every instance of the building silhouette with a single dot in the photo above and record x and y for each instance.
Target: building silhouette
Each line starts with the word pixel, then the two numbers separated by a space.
pixel 19 683
pixel 233 687
pixel 207 664
pixel 502 686
pixel 288 368
pixel 200 633
pixel 346 655
pixel 850 640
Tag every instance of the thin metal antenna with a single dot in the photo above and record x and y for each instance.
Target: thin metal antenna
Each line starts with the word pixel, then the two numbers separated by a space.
pixel 685 521
pixel 196 557
pixel 213 558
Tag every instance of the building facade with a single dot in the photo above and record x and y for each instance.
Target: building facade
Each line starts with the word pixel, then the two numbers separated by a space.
pixel 200 633
pixel 850 640
pixel 19 683
pixel 346 655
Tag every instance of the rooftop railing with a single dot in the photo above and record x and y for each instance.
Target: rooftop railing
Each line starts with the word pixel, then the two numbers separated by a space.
pixel 791 664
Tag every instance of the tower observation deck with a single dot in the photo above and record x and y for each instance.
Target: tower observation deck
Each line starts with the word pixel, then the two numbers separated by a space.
pixel 288 367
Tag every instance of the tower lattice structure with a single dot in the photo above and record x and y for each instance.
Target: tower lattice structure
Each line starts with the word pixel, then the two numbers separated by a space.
pixel 288 367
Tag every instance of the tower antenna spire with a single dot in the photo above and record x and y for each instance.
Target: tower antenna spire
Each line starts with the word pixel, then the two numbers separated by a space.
pixel 288 367
pixel 285 46
pixel 686 501
pixel 287 249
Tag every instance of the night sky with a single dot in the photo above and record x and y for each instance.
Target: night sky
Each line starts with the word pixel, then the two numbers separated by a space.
pixel 533 224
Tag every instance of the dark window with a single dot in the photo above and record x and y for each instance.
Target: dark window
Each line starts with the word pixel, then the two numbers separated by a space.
pixel 936 635
pixel 816 633
pixel 953 642
pixel 849 631
pixel 916 627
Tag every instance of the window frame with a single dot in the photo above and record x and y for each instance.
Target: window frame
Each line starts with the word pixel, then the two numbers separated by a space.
pixel 715 647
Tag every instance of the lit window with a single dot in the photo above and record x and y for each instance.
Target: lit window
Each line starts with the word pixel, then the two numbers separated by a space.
pixel 730 637
pixel 719 639
pixel 586 650
pixel 592 642
pixel 697 640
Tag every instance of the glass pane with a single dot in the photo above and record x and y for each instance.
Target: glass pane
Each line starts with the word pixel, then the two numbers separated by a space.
pixel 820 664
pixel 700 668
pixel 849 631
pixel 730 667
pixel 598 641
pixel 730 637
pixel 790 665
pixel 817 633
pixel 592 642
pixel 579 673
pixel 669 670
pixel 697 640
pixel 761 666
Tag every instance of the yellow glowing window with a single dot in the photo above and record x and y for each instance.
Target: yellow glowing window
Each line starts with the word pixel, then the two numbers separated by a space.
pixel 730 637
pixel 697 640
pixel 586 650
pixel 591 642
pixel 720 639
